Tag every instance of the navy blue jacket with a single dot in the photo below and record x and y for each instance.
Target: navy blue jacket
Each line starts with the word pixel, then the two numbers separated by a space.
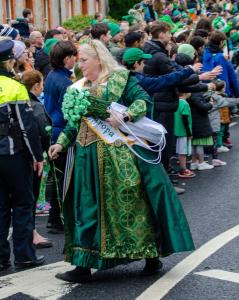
pixel 57 81
pixel 153 84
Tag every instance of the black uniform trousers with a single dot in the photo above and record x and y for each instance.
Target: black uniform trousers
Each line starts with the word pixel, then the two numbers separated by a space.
pixel 16 202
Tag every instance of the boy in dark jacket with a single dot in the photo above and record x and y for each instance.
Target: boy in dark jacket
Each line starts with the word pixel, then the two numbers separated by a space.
pixel 62 59
pixel 134 58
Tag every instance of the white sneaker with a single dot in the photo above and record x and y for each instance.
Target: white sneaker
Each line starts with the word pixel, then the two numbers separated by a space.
pixel 222 149
pixel 204 166
pixel 218 163
pixel 194 166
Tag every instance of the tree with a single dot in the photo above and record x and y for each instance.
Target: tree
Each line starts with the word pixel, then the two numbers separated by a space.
pixel 119 8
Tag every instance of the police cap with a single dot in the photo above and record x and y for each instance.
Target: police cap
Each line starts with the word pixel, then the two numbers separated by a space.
pixel 6 50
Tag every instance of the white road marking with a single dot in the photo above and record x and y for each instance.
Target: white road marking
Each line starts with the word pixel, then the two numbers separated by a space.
pixel 164 284
pixel 39 283
pixel 232 124
pixel 220 274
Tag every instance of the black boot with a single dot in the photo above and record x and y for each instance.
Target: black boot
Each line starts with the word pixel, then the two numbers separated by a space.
pixel 78 275
pixel 152 266
pixel 5 265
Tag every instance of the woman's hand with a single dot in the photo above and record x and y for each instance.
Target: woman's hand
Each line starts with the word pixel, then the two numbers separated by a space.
pixel 206 76
pixel 196 67
pixel 211 74
pixel 54 150
pixel 217 70
pixel 38 167
pixel 114 120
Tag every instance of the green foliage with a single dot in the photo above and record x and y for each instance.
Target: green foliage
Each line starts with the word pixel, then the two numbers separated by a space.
pixel 78 23
pixel 119 8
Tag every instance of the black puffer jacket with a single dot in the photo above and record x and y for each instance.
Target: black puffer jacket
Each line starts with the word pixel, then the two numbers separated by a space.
pixel 167 99
pixel 160 64
pixel 200 122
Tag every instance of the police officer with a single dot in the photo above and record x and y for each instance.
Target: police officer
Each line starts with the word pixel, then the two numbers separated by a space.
pixel 20 152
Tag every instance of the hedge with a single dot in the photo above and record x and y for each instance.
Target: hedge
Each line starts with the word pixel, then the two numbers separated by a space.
pixel 80 22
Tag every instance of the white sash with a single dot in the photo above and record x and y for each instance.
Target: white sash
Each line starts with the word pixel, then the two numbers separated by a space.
pixel 104 130
pixel 138 133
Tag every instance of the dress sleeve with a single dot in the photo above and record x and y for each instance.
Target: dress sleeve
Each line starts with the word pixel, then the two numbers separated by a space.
pixel 136 99
pixel 67 137
pixel 137 110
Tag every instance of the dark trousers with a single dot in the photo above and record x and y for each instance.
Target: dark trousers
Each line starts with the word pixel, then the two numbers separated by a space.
pixel 167 120
pixel 52 197
pixel 16 181
pixel 36 191
pixel 213 148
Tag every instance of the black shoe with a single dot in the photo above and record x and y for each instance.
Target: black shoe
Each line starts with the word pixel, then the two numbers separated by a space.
pixel 46 244
pixel 78 275
pixel 152 266
pixel 5 265
pixel 56 229
pixel 172 172
pixel 30 264
pixel 49 225
pixel 174 181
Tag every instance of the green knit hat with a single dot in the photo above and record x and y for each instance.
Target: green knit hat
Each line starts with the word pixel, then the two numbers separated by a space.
pixel 48 45
pixel 235 37
pixel 114 29
pixel 187 49
pixel 129 18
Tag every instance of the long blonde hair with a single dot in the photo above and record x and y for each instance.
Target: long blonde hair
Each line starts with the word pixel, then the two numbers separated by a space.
pixel 8 65
pixel 97 49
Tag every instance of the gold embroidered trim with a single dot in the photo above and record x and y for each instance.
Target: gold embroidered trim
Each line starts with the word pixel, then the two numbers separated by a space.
pixel 85 250
pixel 100 152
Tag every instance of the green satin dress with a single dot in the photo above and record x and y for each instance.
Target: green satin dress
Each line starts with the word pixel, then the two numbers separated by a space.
pixel 117 207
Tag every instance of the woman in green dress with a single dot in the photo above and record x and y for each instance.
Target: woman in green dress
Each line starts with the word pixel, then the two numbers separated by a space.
pixel 117 208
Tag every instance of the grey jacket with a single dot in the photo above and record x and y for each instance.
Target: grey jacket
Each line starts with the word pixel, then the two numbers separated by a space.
pixel 219 102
